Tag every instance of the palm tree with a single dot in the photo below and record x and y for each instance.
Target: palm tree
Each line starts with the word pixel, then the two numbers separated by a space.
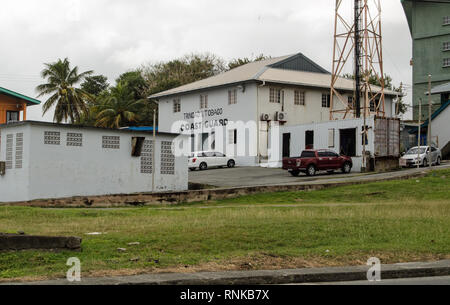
pixel 119 108
pixel 61 80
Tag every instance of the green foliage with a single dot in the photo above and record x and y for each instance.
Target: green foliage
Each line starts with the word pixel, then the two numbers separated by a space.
pixel 243 61
pixel 69 101
pixel 190 68
pixel 95 85
pixel 135 82
pixel 118 108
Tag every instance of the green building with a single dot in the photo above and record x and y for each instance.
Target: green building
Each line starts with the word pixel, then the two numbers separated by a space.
pixel 429 23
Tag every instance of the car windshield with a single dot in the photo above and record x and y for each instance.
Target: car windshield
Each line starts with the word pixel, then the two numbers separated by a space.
pixel 415 151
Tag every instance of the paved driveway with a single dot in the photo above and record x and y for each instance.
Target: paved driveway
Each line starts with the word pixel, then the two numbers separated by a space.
pixel 257 176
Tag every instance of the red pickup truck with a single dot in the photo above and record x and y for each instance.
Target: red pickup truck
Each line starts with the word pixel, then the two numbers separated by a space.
pixel 312 161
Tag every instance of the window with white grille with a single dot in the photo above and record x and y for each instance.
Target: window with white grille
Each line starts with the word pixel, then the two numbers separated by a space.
pixel 326 101
pixel 52 137
pixel 176 105
pixel 232 97
pixel 446 20
pixel 203 101
pixel 147 157
pixel 74 139
pixel 167 159
pixel 446 62
pixel 19 150
pixel 299 98
pixel 446 46
pixel 275 95
pixel 111 142
pixel 9 151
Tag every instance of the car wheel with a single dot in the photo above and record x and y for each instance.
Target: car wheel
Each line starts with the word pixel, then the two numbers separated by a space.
pixel 311 170
pixel 425 162
pixel 295 173
pixel 231 164
pixel 347 168
pixel 438 161
pixel 203 166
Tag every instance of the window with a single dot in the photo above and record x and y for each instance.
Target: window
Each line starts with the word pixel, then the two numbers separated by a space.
pixel 74 139
pixel 446 62
pixel 167 158
pixel 330 138
pixel 232 136
pixel 374 105
pixel 232 97
pixel 176 105
pixel 12 116
pixel 351 102
pixel 446 46
pixel 326 101
pixel 111 142
pixel 203 101
pixel 52 138
pixel 299 98
pixel 308 154
pixel 275 95
pixel 446 20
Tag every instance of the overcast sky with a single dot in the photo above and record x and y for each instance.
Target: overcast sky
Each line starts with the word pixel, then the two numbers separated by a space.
pixel 113 36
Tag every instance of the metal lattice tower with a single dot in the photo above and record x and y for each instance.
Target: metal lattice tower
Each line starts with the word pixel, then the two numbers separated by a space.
pixel 358 37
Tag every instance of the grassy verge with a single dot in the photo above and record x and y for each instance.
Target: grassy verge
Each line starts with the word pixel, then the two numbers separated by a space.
pixel 396 221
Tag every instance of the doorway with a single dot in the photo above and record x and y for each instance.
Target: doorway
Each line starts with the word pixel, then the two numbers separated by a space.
pixel 348 142
pixel 286 145
pixel 309 139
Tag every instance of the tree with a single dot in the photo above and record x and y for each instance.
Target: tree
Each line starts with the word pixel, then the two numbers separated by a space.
pixel 95 85
pixel 135 82
pixel 243 61
pixel 401 107
pixel 69 100
pixel 119 108
pixel 190 68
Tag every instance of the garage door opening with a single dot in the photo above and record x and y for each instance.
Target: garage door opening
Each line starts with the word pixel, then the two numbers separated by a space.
pixel 348 142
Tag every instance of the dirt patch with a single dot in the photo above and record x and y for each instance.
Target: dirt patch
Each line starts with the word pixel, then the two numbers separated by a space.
pixel 263 262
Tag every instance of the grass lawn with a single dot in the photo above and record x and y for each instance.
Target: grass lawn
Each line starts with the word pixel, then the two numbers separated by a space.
pixel 396 221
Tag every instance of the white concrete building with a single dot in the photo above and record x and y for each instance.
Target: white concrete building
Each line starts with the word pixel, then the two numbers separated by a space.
pixel 44 160
pixel 234 112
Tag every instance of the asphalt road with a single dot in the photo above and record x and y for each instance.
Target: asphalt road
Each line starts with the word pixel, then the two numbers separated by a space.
pixel 256 176
pixel 439 280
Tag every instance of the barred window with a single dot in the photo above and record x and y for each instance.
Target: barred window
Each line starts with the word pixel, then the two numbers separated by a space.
pixel 446 20
pixel 176 105
pixel 299 98
pixel 326 103
pixel 203 101
pixel 275 95
pixel 446 62
pixel 232 97
pixel 351 102
pixel 232 136
pixel 446 46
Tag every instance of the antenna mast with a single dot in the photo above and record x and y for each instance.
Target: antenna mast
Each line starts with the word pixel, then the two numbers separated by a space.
pixel 359 35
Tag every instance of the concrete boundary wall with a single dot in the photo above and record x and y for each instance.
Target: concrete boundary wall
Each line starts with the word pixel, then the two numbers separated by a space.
pixel 173 198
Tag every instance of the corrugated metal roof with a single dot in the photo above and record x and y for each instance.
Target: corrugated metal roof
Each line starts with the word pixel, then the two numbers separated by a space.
pixel 271 70
pixel 444 88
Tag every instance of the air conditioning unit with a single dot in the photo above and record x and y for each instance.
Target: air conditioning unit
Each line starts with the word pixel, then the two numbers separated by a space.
pixel 281 116
pixel 265 117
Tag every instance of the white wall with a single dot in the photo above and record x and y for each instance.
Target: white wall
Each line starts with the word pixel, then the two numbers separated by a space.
pixel 321 138
pixel 236 116
pixel 58 171
pixel 440 127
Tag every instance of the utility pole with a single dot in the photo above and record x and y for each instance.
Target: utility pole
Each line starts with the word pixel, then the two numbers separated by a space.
pixel 419 143
pixel 429 122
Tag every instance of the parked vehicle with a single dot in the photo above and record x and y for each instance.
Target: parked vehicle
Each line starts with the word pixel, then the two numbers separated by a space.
pixel 205 160
pixel 312 161
pixel 419 156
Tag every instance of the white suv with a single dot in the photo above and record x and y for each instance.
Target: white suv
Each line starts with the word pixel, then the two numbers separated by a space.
pixel 205 160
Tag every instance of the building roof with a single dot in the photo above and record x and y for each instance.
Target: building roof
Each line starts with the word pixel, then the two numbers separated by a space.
pixel 444 88
pixel 59 125
pixel 30 101
pixel 294 69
